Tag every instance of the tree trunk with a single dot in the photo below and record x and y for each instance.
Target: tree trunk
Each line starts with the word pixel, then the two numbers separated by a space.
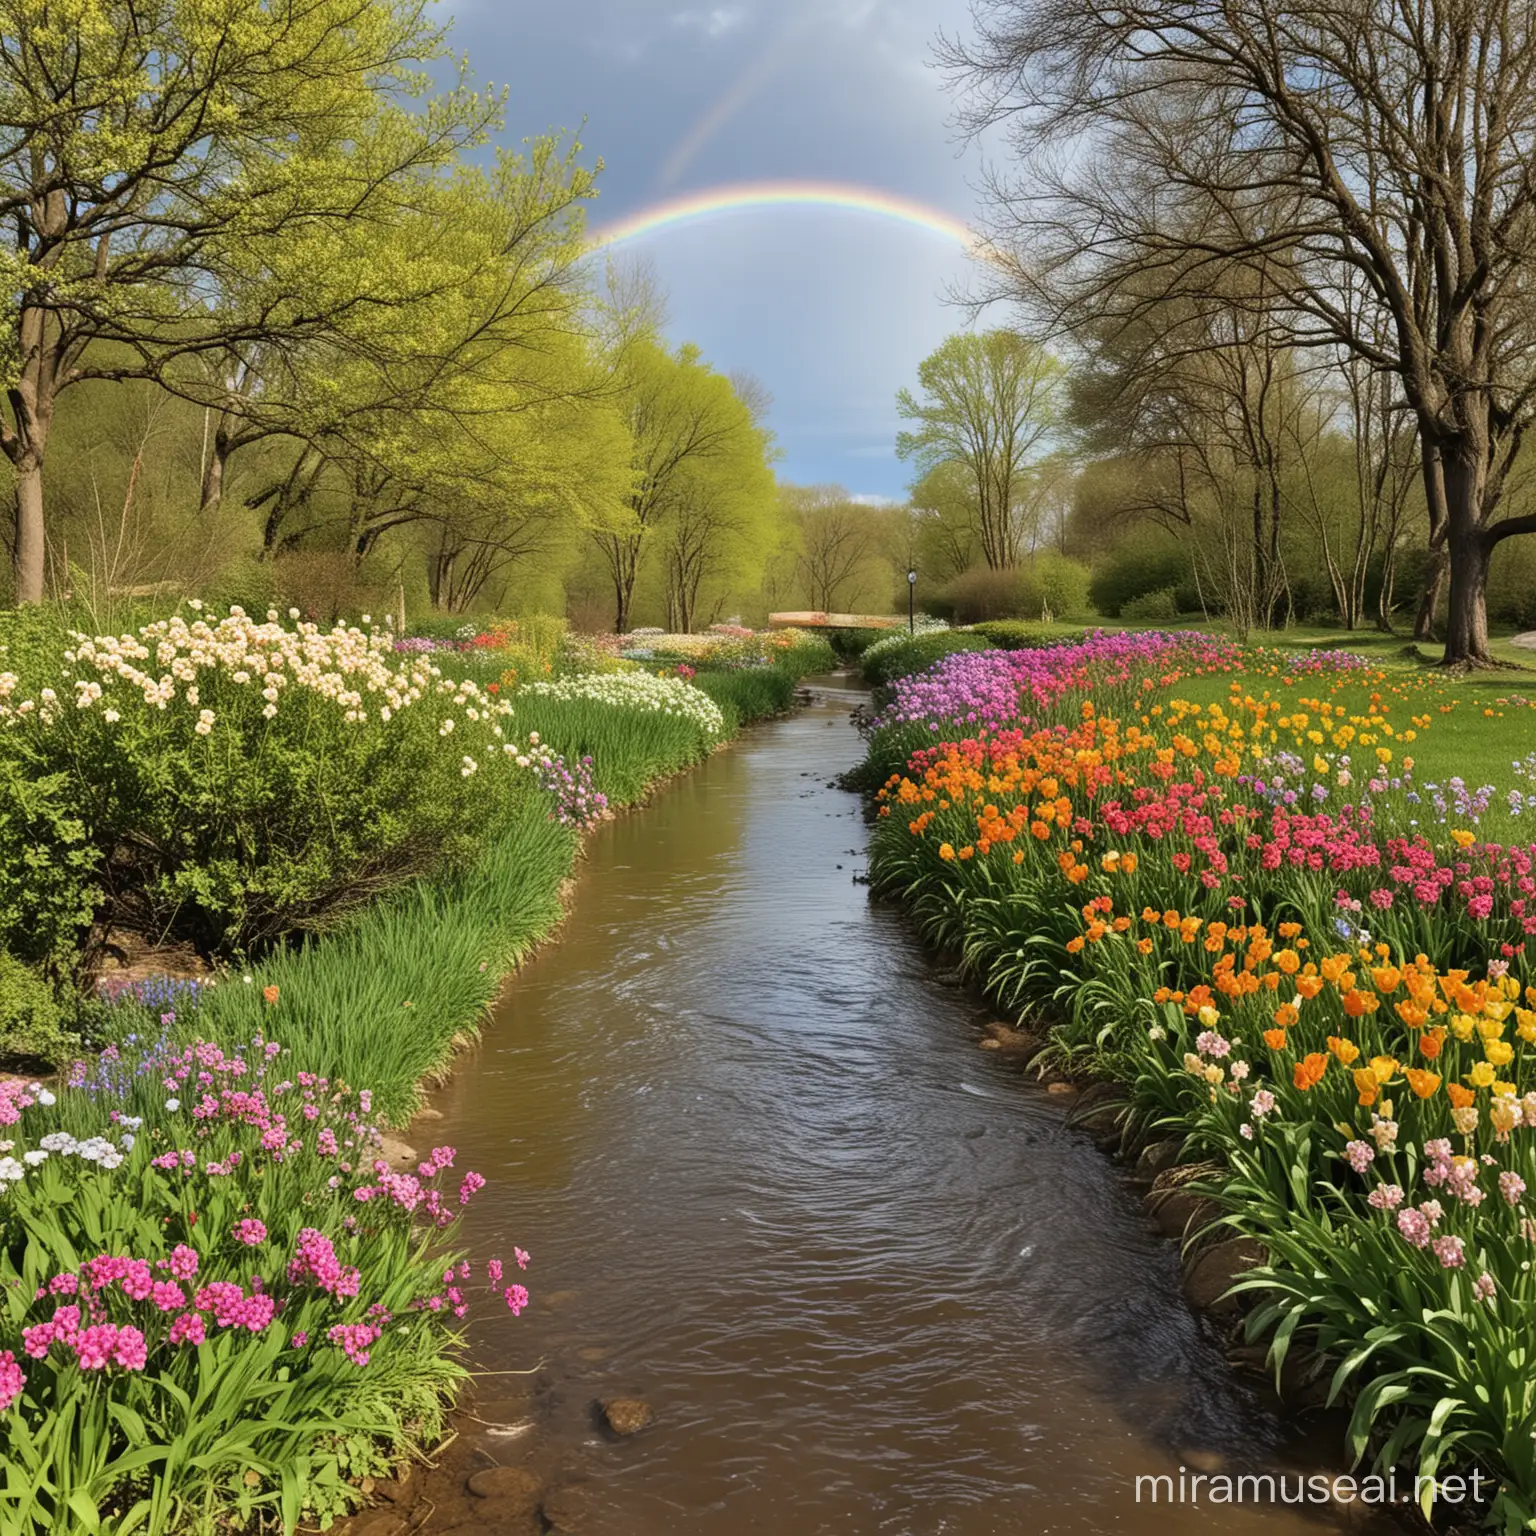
pixel 1429 599
pixel 213 476
pixel 1466 631
pixel 31 548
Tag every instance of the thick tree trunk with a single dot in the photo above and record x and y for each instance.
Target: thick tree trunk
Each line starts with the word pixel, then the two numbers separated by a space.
pixel 1466 632
pixel 213 477
pixel 31 550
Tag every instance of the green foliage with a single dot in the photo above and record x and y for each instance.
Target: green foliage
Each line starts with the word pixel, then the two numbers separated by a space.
pixel 899 655
pixel 31 1023
pixel 1016 635
pixel 1135 563
pixel 850 644
pixel 208 812
pixel 1157 607
pixel 1047 583
pixel 749 694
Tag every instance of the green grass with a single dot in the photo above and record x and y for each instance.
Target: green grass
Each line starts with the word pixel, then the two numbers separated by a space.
pixel 384 1003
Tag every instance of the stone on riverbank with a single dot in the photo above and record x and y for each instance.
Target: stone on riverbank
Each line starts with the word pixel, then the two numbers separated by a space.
pixel 567 1508
pixel 1214 1270
pixel 509 1491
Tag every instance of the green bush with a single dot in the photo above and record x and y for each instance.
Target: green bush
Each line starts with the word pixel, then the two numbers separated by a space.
pixel 238 781
pixel 900 655
pixel 1047 583
pixel 1159 607
pixel 850 644
pixel 32 1026
pixel 49 869
pixel 1016 635
pixel 1144 561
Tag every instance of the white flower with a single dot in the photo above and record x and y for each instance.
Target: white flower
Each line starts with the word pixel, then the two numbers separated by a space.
pixel 34 1157
pixel 111 716
pixel 55 1141
pixel 293 613
pixel 173 1105
pixel 127 1139
pixel 446 728
pixel 196 605
pixel 46 1096
pixel 268 711
pixel 11 1170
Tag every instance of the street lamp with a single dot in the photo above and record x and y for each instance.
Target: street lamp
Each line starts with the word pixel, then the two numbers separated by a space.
pixel 911 612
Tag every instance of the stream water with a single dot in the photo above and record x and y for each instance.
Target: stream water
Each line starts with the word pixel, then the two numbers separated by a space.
pixel 866 1276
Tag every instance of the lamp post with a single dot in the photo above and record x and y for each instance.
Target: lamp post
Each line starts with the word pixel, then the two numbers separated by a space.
pixel 911 611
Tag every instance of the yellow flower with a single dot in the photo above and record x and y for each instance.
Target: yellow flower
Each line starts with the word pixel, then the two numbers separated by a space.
pixel 1462 1024
pixel 1320 764
pixel 1482 1075
pixel 1463 839
pixel 1385 1068
pixel 1499 1052
pixel 1208 1016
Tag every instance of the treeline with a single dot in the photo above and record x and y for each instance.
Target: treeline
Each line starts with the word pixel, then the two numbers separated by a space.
pixel 288 324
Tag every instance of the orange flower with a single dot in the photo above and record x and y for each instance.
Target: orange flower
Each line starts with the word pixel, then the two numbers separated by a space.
pixel 1286 1015
pixel 1275 1039
pixel 1387 978
pixel 1308 1072
pixel 1461 1098
pixel 1144 945
pixel 946 850
pixel 1430 1043
pixel 1289 930
pixel 1128 863
pixel 1366 1085
pixel 1074 944
pixel 1288 961
pixel 1357 1003
pixel 1309 986
pixel 270 994
pixel 1345 1050
pixel 1423 1083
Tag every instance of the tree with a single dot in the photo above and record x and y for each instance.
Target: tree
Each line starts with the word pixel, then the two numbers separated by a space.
pixel 838 540
pixel 990 403
pixel 158 161
pixel 1294 142
pixel 684 420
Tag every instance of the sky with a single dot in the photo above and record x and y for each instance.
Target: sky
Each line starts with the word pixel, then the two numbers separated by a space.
pixel 831 309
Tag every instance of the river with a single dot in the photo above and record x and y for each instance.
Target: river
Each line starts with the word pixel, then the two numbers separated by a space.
pixel 865 1274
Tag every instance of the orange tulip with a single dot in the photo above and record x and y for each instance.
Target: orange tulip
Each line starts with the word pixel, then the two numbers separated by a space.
pixel 1309 1071
pixel 1423 1083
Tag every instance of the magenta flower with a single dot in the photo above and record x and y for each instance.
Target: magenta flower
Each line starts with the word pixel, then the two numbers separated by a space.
pixel 516 1299
pixel 250 1232
pixel 12 1379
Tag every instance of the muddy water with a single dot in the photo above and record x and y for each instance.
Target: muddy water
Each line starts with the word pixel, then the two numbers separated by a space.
pixel 866 1276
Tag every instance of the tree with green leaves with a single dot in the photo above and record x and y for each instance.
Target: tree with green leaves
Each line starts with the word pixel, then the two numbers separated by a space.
pixel 991 403
pixel 166 167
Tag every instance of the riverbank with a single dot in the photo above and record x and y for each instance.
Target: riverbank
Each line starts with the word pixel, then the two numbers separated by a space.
pixel 1200 880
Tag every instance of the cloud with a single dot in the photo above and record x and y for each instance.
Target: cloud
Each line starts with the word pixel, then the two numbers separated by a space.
pixel 719 21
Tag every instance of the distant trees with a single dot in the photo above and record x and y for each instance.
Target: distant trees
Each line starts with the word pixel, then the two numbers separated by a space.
pixel 1348 178
pixel 989 407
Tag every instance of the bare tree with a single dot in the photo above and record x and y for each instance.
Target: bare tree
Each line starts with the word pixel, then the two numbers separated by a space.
pixel 1295 140
pixel 838 537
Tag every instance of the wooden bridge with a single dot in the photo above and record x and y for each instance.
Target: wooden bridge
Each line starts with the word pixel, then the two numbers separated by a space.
pixel 834 621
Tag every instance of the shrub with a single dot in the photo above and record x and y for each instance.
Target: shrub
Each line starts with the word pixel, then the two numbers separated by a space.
pixel 1144 561
pixel 238 781
pixel 1016 635
pixel 1159 607
pixel 1048 582
pixel 31 1023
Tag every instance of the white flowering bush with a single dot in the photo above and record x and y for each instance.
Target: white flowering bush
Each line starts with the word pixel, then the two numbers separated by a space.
pixel 641 691
pixel 235 779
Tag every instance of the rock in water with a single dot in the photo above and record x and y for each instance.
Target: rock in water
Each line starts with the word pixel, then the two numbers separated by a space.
pixel 626 1415
pixel 516 1490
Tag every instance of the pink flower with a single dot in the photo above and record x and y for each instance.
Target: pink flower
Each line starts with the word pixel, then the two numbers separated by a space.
pixel 129 1349
pixel 94 1345
pixel 516 1299
pixel 168 1296
pixel 354 1340
pixel 472 1183
pixel 1385 1197
pixel 300 1339
pixel 1361 1154
pixel 1263 1104
pixel 1414 1227
pixel 1450 1251
pixel 522 1257
pixel 250 1232
pixel 189 1328
pixel 182 1262
pixel 493 1271
pixel 1484 1287
pixel 12 1379
pixel 1511 1186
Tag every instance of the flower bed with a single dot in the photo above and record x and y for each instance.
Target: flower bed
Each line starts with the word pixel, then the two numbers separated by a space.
pixel 1302 961
pixel 218 1294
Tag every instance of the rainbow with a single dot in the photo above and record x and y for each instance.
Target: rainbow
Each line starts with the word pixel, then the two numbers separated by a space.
pixel 745 197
